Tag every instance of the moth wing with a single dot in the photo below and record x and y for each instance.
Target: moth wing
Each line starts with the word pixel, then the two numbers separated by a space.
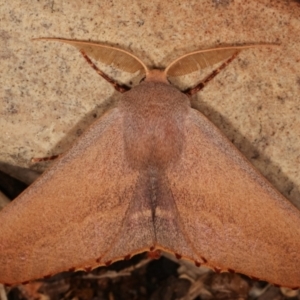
pixel 75 216
pixel 230 215
pixel 108 55
pixel 201 59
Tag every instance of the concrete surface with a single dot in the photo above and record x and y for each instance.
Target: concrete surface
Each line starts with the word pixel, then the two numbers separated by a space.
pixel 49 94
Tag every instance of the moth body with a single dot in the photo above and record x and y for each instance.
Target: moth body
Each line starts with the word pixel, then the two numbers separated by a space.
pixel 151 173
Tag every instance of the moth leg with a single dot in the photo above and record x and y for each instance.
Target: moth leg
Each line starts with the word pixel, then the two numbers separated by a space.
pixel 203 83
pixel 48 158
pixel 118 87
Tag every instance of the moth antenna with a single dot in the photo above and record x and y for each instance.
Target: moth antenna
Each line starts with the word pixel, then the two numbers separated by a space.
pixel 203 83
pixel 118 87
pixel 200 59
pixel 108 55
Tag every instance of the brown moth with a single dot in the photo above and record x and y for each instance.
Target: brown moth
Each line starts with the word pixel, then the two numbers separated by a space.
pixel 151 174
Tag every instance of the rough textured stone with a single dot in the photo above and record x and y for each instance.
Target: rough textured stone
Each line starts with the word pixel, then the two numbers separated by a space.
pixel 49 94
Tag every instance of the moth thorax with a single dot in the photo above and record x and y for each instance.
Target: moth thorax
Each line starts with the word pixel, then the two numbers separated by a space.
pixel 155 114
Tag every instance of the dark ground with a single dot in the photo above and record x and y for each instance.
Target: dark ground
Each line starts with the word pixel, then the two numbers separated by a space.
pixel 143 278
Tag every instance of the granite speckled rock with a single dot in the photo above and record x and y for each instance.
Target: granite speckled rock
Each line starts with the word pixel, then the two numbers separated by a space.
pixel 49 94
